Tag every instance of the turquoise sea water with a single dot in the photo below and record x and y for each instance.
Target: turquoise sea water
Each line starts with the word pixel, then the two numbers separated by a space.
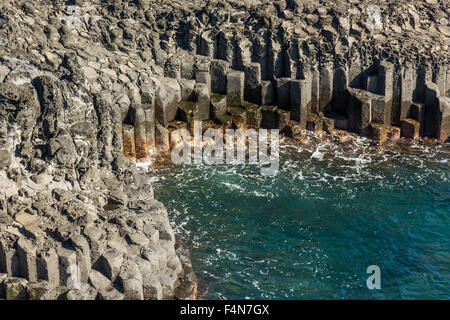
pixel 311 231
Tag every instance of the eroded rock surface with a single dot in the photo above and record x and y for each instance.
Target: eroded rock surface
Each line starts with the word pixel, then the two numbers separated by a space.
pixel 86 87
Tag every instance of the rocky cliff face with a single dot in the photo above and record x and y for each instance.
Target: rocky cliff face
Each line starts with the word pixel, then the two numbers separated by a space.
pixel 87 87
pixel 77 219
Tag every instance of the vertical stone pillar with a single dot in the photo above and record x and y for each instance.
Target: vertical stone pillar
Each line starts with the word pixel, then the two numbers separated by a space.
pixel 443 119
pixel 366 115
pixel 359 111
pixel 379 109
pixel 235 88
pixel 149 112
pixel 355 73
pixel 293 60
pixel 340 93
pixel 27 259
pixel 9 260
pixel 252 92
pixel 162 138
pixel 67 258
pixel 371 83
pixel 326 88
pixel 140 132
pixel 315 91
pixel 299 100
pixel 431 121
pixel 83 253
pixel 424 76
pixel 187 66
pixel 129 147
pixel 447 84
pixel 148 105
pixel 386 88
pixel 441 78
pixel 283 93
pixel 259 54
pixel 206 47
pixel 48 266
pixel 202 107
pixel 219 70
pixel 204 77
pixel 267 93
pixel 408 82
pixel 224 46
pixel 168 97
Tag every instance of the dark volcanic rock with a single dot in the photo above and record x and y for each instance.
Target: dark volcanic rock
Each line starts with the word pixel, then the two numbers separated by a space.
pixel 88 87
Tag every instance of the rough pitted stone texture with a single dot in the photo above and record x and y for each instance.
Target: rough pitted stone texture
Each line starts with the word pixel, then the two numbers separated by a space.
pixel 75 214
pixel 86 87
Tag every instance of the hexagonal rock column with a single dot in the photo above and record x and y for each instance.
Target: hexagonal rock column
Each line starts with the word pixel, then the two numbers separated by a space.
pixel 206 46
pixel 253 83
pixel 300 100
pixel 201 111
pixel 340 85
pixel 315 76
pixel 235 88
pixel 140 132
pixel 416 112
pixel 48 266
pixel 162 138
pixel 436 118
pixel 423 77
pixel 27 259
pixel 371 83
pixel 149 124
pixel 148 106
pixel 9 259
pixel 204 77
pixel 129 147
pixel 67 259
pixel 408 82
pixel 267 93
pixel 443 128
pixel 219 70
pixel 225 46
pixel 187 66
pixel 441 78
pixel 168 96
pixel 380 110
pixel 326 88
pixel 283 93
pixel 360 110
pixel 386 88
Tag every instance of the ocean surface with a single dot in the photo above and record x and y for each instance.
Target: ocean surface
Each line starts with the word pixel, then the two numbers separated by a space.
pixel 311 231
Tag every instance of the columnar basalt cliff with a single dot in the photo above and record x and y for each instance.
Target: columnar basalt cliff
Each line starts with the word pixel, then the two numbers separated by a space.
pixel 87 88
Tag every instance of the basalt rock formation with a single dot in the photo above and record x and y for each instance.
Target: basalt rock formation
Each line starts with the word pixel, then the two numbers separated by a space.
pixel 88 87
